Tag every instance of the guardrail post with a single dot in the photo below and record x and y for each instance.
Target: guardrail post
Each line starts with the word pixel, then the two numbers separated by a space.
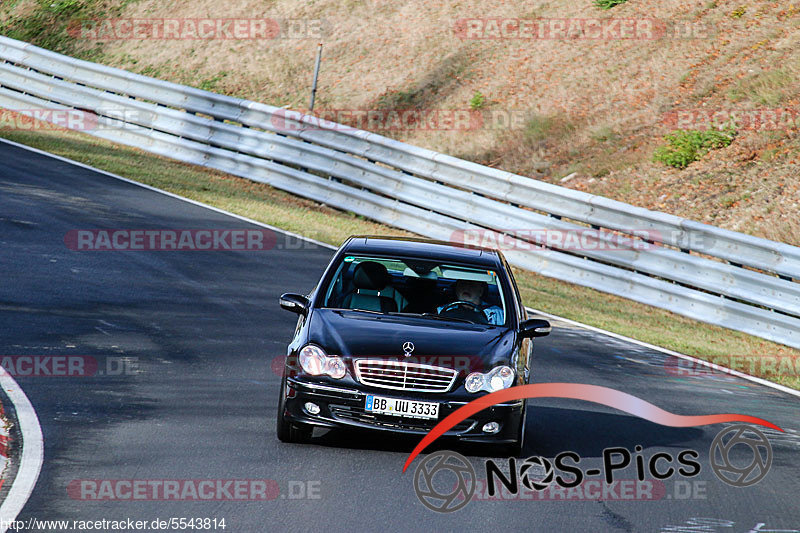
pixel 316 75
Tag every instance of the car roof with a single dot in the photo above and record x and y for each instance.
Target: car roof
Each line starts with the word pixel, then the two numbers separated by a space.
pixel 423 249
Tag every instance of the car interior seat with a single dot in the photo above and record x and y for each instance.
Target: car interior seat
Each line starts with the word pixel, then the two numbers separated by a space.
pixel 370 280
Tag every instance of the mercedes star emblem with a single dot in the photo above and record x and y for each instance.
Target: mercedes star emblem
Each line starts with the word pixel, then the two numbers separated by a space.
pixel 408 347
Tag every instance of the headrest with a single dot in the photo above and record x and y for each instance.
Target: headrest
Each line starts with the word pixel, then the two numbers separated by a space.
pixel 371 276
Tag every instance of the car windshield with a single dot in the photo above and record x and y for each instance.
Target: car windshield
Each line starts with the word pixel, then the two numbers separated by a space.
pixel 419 287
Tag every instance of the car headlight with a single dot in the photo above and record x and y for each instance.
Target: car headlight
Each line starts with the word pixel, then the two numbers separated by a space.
pixel 314 361
pixel 500 377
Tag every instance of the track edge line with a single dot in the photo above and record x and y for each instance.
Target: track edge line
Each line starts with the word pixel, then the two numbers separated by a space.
pixel 32 456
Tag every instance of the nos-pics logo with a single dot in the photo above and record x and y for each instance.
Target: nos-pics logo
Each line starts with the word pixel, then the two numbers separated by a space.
pixel 446 481
pixel 736 473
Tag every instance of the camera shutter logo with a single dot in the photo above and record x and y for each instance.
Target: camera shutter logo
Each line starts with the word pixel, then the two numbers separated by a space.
pixel 542 473
pixel 727 469
pixel 458 469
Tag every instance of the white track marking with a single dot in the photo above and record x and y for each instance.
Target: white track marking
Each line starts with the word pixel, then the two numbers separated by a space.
pixel 32 456
pixel 172 195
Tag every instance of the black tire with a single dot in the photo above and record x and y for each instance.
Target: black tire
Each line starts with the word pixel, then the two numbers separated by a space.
pixel 287 431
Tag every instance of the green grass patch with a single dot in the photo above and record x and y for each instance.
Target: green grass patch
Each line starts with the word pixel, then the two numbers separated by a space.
pixel 477 101
pixel 739 12
pixel 604 134
pixel 686 146
pixel 608 4
pixel 765 88
pixel 55 24
pixel 211 83
pixel 541 128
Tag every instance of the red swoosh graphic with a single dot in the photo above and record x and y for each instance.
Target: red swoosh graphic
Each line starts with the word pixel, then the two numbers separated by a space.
pixel 578 391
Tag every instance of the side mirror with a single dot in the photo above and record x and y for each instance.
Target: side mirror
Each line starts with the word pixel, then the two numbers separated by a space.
pixel 295 303
pixel 535 327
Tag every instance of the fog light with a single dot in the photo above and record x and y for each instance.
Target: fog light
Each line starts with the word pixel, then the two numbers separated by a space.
pixel 489 427
pixel 313 409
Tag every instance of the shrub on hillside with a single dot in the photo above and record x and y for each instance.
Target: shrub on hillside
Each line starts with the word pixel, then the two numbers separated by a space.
pixel 608 4
pixel 686 146
pixel 477 101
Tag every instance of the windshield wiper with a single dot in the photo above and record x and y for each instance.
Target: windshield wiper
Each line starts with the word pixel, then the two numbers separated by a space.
pixel 418 315
pixel 437 317
pixel 341 310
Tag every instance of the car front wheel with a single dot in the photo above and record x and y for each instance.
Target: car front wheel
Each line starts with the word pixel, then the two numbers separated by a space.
pixel 287 431
pixel 516 448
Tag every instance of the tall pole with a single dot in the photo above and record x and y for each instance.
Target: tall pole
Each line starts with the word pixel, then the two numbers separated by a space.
pixel 316 75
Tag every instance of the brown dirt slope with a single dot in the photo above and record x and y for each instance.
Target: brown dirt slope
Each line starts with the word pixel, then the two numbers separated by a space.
pixel 594 107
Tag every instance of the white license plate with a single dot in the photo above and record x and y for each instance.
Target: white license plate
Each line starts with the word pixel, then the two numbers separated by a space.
pixel 398 407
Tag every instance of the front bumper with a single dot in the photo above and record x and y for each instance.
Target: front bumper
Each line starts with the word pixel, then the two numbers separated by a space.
pixel 343 406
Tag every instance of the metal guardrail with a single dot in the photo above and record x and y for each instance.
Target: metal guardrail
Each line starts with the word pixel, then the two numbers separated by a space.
pixel 425 192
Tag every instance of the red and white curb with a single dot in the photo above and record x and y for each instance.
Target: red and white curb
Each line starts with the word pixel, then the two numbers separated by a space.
pixel 29 458
pixel 5 461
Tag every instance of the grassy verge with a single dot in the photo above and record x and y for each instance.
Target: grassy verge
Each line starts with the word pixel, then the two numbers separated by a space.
pixel 266 204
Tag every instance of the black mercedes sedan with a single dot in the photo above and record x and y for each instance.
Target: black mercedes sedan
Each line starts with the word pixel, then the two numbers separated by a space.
pixel 401 332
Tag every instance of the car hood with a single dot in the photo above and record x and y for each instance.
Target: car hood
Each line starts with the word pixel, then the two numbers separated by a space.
pixel 358 334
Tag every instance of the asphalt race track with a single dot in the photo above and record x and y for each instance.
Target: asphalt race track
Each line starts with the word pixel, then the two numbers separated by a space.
pixel 199 330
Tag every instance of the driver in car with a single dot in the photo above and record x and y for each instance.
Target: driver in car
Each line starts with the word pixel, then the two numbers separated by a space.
pixel 472 292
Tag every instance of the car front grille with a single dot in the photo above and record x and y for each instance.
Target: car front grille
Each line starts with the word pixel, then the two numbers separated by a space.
pixel 400 375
